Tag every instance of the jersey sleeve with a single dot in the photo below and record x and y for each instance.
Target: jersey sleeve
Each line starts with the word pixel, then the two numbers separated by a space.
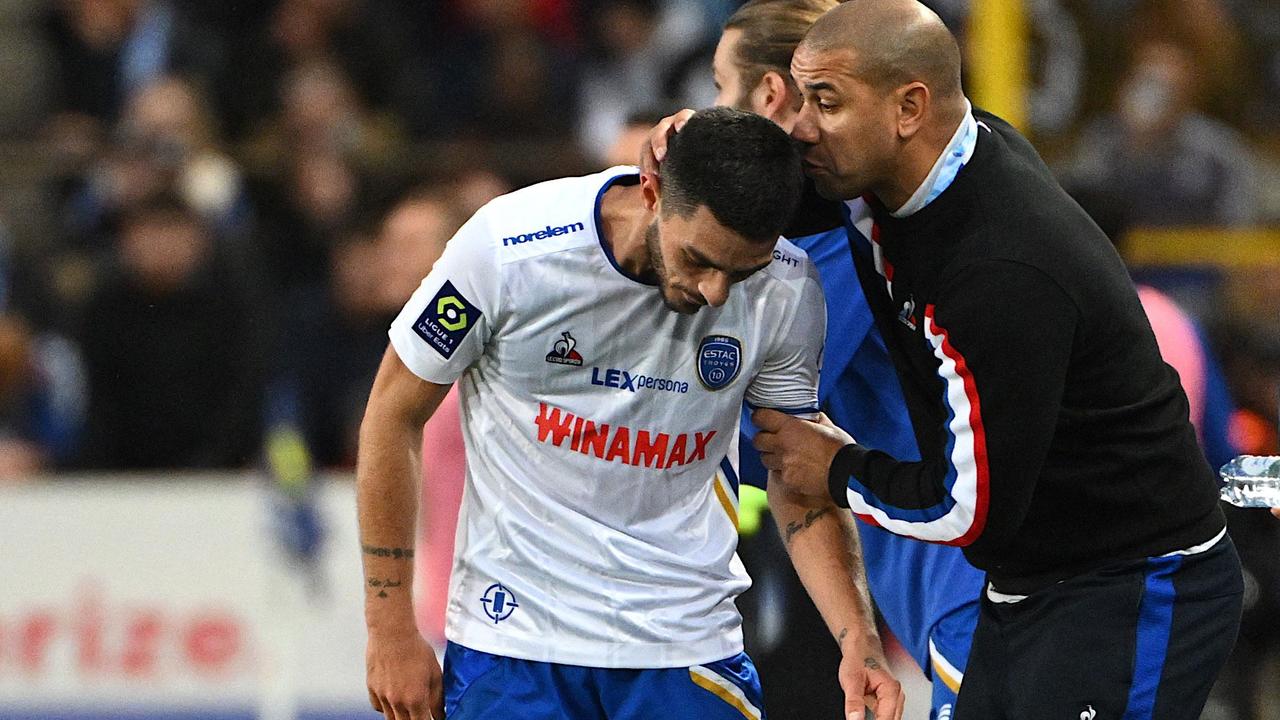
pixel 447 323
pixel 788 379
pixel 1002 334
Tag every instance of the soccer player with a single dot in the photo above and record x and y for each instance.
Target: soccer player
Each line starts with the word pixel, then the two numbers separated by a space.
pixel 928 594
pixel 1055 442
pixel 604 332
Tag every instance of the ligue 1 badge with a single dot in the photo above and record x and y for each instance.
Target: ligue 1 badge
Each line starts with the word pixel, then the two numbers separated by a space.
pixel 719 360
pixel 447 320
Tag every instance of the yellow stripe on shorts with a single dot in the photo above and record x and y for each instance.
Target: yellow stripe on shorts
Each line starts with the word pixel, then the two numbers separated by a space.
pixel 944 670
pixel 725 501
pixel 713 682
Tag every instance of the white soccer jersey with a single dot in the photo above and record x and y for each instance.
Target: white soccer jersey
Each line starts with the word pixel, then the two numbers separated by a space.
pixel 599 520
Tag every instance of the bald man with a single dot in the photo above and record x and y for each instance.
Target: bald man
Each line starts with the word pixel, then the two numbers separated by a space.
pixel 1055 444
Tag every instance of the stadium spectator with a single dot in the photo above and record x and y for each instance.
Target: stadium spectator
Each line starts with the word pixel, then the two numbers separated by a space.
pixel 333 334
pixel 303 214
pixel 1183 345
pixel 637 45
pixel 1113 29
pixel 173 120
pixel 1210 36
pixel 369 41
pixel 107 50
pixel 165 141
pixel 1155 161
pixel 169 347
pixel 1251 358
pixel 412 238
pixel 41 400
pixel 321 111
pixel 473 187
pixel 1258 21
pixel 504 73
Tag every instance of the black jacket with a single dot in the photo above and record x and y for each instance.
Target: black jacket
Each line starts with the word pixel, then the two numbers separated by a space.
pixel 1054 438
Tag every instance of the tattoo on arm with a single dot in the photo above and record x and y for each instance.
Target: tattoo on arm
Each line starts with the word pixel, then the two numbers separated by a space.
pixel 383 585
pixel 840 640
pixel 397 553
pixel 871 663
pixel 810 518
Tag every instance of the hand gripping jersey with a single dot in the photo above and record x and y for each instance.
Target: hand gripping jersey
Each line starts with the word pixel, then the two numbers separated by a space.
pixel 598 523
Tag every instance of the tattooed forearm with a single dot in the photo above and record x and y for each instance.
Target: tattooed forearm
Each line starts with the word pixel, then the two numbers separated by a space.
pixel 397 553
pixel 383 585
pixel 810 518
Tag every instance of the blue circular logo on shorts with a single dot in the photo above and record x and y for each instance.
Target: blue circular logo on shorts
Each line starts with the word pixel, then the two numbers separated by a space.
pixel 498 602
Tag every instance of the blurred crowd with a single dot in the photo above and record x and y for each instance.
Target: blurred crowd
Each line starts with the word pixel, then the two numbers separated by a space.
pixel 214 208
pixel 218 206
pixel 210 210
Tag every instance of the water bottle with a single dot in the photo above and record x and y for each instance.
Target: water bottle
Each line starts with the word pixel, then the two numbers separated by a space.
pixel 1252 481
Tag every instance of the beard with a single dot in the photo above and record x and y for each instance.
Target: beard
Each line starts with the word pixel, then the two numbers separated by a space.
pixel 653 244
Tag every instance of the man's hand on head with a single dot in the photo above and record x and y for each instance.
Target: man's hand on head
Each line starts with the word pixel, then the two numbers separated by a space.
pixel 655 146
pixel 799 452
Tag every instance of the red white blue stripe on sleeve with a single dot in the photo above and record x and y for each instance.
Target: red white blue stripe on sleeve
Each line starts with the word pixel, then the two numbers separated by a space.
pixel 961 516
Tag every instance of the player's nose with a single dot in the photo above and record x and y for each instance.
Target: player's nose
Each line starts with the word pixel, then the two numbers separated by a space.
pixel 715 288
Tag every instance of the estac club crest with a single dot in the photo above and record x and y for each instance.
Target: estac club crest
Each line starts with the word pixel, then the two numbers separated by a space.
pixel 719 360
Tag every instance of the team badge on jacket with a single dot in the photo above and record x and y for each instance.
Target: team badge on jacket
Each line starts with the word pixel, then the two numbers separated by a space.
pixel 563 353
pixel 719 360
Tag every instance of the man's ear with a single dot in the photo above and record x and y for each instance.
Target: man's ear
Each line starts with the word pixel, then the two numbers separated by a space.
pixel 913 105
pixel 650 190
pixel 775 97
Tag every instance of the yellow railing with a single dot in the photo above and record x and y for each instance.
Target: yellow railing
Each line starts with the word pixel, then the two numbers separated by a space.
pixel 1226 248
